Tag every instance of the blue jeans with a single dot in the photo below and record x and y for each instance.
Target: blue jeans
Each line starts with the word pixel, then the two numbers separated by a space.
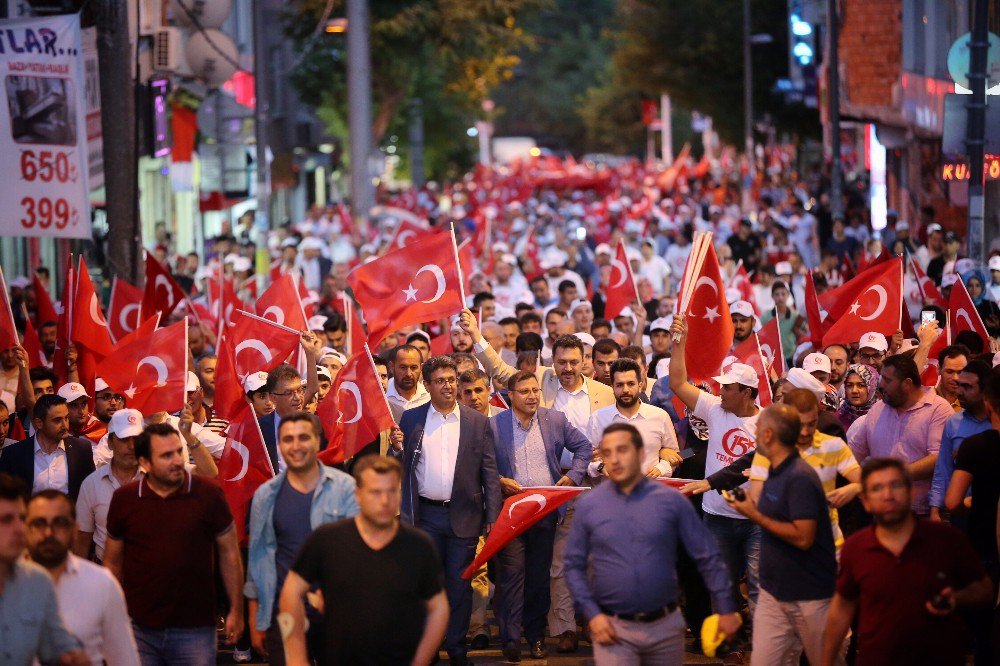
pixel 739 541
pixel 179 646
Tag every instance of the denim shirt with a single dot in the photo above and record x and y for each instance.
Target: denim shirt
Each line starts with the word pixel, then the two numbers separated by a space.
pixel 333 500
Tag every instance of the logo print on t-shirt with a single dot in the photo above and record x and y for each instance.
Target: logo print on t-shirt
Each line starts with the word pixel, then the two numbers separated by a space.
pixel 737 442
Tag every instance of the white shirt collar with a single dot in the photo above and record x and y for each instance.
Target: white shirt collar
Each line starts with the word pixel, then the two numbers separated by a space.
pixel 38 447
pixel 583 387
pixel 392 392
pixel 435 414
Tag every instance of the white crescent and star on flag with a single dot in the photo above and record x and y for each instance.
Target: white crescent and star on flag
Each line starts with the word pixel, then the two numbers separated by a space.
pixel 435 270
pixel 883 300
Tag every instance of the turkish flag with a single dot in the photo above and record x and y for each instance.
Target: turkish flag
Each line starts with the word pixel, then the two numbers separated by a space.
pixel 518 514
pixel 224 302
pixel 531 252
pixel 420 283
pixel 64 325
pixel 355 410
pixel 162 293
pixel 749 353
pixel 151 372
pixel 250 345
pixel 8 331
pixel 33 346
pixel 710 328
pixel 621 285
pixel 675 483
pixel 441 344
pixel 466 263
pixel 496 400
pixel 963 315
pixel 929 292
pixel 307 298
pixel 244 465
pixel 356 334
pixel 45 310
pixel 280 303
pixel 142 331
pixel 124 309
pixel 870 302
pixel 407 232
pixel 769 337
pixel 90 329
pixel 817 325
pixel 741 282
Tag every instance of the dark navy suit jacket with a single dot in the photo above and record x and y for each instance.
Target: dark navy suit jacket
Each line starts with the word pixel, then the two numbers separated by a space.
pixel 19 460
pixel 475 491
pixel 557 434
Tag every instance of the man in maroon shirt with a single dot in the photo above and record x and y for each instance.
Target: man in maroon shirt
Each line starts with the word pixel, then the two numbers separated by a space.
pixel 162 530
pixel 904 578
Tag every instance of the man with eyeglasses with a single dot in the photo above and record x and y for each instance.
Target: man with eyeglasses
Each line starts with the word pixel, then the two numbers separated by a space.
pixel 106 401
pixel 530 441
pixel 451 488
pixel 288 395
pixel 91 601
pixel 872 348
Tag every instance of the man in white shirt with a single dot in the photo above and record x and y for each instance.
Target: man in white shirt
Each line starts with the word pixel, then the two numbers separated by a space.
pixel 97 489
pixel 405 388
pixel 660 450
pixel 509 288
pixel 655 268
pixel 91 601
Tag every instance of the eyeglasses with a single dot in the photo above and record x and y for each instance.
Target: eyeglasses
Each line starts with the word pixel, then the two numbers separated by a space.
pixel 870 357
pixel 109 397
pixel 445 381
pixel 298 391
pixel 61 523
pixel 524 393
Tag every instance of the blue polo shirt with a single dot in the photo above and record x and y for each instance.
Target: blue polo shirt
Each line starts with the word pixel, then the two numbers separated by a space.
pixel 792 492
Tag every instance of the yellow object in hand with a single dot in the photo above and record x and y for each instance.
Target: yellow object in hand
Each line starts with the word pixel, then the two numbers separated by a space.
pixel 711 637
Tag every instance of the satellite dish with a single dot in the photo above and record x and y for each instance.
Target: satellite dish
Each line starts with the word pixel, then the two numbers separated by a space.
pixel 192 14
pixel 212 56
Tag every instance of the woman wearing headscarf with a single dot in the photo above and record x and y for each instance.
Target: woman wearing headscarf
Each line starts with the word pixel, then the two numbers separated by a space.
pixel 860 393
pixel 975 283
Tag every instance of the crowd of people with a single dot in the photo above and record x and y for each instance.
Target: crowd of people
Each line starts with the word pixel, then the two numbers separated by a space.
pixel 854 520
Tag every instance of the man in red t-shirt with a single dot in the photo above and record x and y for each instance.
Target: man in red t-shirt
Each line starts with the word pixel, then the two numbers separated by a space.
pixel 904 578
pixel 162 531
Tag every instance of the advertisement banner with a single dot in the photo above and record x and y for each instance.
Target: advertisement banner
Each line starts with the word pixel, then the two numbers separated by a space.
pixel 43 129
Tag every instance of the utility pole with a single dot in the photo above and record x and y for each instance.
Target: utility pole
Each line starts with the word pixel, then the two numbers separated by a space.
pixel 666 130
pixel 417 142
pixel 121 144
pixel 976 126
pixel 833 81
pixel 262 217
pixel 747 107
pixel 359 105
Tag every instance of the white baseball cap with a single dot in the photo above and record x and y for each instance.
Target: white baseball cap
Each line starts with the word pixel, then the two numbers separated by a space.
pixel 934 226
pixel 874 341
pixel 255 381
pixel 948 280
pixel 311 243
pixel 902 226
pixel 963 265
pixel 321 371
pixel 783 268
pixel 579 303
pixel 422 334
pixel 994 263
pixel 603 248
pixel 126 423
pixel 816 362
pixel 20 282
pixel 742 308
pixel 316 323
pixel 739 373
pixel 799 378
pixel 663 324
pixel 329 352
pixel 663 368
pixel 72 391
pixel 193 383
pixel 242 264
pixel 585 338
pixel 7 398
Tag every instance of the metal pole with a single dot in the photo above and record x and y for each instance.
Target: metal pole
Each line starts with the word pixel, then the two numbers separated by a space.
pixel 417 142
pixel 666 130
pixel 833 81
pixel 121 156
pixel 747 106
pixel 262 217
pixel 359 102
pixel 976 127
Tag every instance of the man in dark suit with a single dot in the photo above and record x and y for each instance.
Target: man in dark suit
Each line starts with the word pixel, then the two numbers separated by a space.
pixel 289 396
pixel 50 458
pixel 530 441
pixel 451 488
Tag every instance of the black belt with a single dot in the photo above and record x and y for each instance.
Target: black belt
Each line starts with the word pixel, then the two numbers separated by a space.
pixel 432 502
pixel 644 616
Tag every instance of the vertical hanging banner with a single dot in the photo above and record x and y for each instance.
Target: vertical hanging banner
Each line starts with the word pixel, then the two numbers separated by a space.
pixel 43 129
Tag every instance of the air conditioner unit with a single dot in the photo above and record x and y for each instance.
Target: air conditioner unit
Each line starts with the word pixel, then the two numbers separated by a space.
pixel 167 50
pixel 150 17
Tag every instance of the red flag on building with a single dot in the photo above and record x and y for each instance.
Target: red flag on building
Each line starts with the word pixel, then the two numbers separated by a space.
pixel 769 337
pixel 124 309
pixel 621 284
pixel 281 304
pixel 162 293
pixel 150 372
pixel 8 331
pixel 420 283
pixel 45 310
pixel 929 292
pixel 355 410
pixel 518 514
pixel 244 465
pixel 870 302
pixel 963 315
pixel 710 328
pixel 407 232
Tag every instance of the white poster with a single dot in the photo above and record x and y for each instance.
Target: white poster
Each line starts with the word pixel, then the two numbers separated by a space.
pixel 92 94
pixel 43 129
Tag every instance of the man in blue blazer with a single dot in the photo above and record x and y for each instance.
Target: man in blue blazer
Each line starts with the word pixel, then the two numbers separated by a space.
pixel 451 488
pixel 530 441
